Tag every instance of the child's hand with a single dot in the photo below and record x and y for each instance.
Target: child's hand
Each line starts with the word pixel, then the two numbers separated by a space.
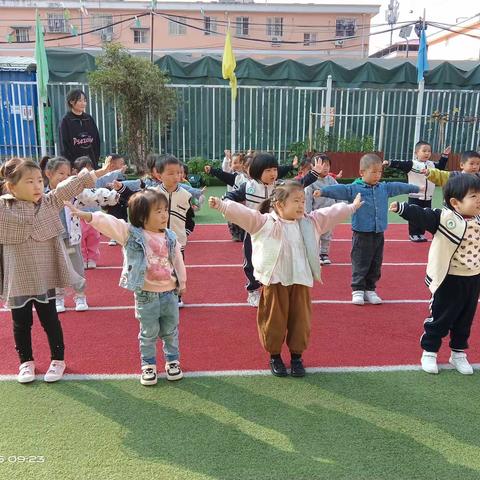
pixel 385 163
pixel 317 194
pixel 214 202
pixel 340 174
pixel 207 169
pixel 357 202
pixel 117 185
pixel 425 171
pixel 124 168
pixel 204 188
pixel 107 167
pixel 393 207
pixel 228 153
pixel 182 292
pixel 317 165
pixel 447 151
pixel 87 216
pixel 295 162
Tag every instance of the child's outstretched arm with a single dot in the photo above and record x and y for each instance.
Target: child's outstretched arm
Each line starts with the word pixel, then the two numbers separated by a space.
pixel 438 177
pixel 247 218
pixel 226 177
pixel 326 218
pixel 103 222
pixel 443 160
pixel 423 218
pixel 398 188
pixel 339 192
pixel 237 195
pixel 96 197
pixel 404 166
pixel 195 192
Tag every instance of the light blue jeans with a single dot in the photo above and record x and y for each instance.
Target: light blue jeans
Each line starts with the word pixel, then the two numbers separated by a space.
pixel 158 317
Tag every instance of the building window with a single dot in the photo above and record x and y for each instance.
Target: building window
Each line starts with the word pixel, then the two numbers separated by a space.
pixel 210 25
pixel 275 26
pixel 175 28
pixel 242 26
pixel 21 34
pixel 346 27
pixel 105 21
pixel 309 39
pixel 140 35
pixel 56 23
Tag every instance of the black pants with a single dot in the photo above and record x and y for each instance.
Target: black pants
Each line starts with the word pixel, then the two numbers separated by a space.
pixel 453 308
pixel 367 258
pixel 236 232
pixel 22 329
pixel 252 283
pixel 412 228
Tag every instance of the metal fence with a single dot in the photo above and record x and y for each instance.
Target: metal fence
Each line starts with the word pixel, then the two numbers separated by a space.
pixel 266 118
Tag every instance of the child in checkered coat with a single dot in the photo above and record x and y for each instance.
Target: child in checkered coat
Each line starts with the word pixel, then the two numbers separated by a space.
pixel 33 258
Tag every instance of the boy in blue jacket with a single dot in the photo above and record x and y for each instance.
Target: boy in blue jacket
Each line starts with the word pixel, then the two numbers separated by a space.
pixel 368 224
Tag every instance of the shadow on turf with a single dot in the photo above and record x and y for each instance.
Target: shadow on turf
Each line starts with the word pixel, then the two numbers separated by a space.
pixel 268 428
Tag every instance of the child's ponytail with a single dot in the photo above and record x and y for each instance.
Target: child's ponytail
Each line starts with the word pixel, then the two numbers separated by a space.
pixel 266 205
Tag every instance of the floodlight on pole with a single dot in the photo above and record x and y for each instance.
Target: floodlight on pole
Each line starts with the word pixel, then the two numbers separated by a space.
pixel 391 16
pixel 405 32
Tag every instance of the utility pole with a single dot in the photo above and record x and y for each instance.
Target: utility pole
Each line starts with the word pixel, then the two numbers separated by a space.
pixel 391 16
pixel 152 17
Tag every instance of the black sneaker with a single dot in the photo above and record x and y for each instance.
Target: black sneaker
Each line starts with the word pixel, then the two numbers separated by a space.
pixel 149 375
pixel 278 367
pixel 324 260
pixel 422 238
pixel 298 370
pixel 173 370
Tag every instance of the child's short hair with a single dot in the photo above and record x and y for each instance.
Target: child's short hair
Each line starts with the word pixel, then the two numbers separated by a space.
pixel 159 162
pixel 458 186
pixel 73 96
pixel 260 162
pixel 81 162
pixel 54 163
pixel 369 160
pixel 468 154
pixel 420 143
pixel 283 189
pixel 140 204
pixel 13 170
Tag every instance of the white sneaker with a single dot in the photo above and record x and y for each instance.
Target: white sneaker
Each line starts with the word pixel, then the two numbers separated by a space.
pixel 112 243
pixel 429 362
pixel 358 297
pixel 180 302
pixel 55 371
pixel 81 304
pixel 253 298
pixel 149 375
pixel 173 370
pixel 91 264
pixel 372 297
pixel 26 372
pixel 460 362
pixel 60 304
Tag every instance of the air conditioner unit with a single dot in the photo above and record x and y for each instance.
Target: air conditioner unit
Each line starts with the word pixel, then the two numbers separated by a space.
pixel 106 36
pixel 338 43
pixel 275 42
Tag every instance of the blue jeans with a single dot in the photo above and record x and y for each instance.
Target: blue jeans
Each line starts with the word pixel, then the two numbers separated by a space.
pixel 158 317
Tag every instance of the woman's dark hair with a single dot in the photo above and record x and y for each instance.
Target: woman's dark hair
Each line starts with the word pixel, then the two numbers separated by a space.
pixel 140 205
pixel 468 154
pixel 54 163
pixel 260 162
pixel 74 96
pixel 458 186
pixel 81 162
pixel 13 170
pixel 283 189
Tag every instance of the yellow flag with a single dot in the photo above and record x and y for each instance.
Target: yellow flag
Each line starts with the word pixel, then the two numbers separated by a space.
pixel 229 64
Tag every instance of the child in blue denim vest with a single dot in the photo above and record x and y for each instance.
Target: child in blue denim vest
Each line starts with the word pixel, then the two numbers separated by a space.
pixel 368 224
pixel 153 269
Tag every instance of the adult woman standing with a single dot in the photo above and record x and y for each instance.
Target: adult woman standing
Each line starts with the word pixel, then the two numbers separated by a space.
pixel 78 132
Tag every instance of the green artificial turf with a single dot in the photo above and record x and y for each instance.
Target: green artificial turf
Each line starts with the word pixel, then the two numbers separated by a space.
pixel 208 215
pixel 355 426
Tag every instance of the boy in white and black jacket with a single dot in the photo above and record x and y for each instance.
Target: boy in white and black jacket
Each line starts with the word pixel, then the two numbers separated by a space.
pixel 453 269
pixel 415 172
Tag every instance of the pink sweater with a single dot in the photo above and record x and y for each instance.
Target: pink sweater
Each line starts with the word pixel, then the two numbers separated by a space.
pixel 119 230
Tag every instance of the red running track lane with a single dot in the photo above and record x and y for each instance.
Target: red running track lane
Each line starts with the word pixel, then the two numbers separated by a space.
pixel 214 338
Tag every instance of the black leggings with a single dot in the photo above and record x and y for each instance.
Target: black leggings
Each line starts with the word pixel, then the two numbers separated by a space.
pixel 22 329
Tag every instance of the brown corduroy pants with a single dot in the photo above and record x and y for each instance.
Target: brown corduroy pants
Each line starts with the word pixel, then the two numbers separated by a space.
pixel 284 312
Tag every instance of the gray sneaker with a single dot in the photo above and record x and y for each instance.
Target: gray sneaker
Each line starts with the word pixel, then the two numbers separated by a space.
pixel 372 297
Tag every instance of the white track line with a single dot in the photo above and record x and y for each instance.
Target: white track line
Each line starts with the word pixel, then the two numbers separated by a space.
pixel 239 304
pixel 243 373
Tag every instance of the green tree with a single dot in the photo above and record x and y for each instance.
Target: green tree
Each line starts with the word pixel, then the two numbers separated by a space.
pixel 141 95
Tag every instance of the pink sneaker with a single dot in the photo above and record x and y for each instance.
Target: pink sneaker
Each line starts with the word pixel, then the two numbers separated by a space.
pixel 55 371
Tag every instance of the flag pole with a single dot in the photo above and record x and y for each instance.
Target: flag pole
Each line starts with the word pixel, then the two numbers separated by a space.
pixel 421 91
pixel 42 81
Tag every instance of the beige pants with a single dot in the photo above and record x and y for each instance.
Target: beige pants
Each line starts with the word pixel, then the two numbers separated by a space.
pixel 284 312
